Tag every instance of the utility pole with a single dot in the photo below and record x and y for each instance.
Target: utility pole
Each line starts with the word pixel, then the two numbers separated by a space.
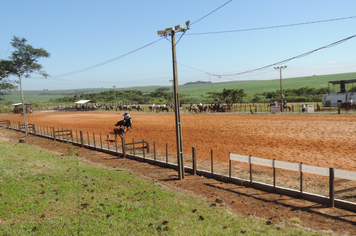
pixel 171 31
pixel 280 68
pixel 76 95
pixel 115 97
pixel 23 106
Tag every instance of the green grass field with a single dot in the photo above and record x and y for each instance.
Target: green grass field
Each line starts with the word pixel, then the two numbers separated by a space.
pixel 42 193
pixel 197 90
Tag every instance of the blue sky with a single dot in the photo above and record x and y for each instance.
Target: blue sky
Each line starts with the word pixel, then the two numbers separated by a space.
pixel 79 34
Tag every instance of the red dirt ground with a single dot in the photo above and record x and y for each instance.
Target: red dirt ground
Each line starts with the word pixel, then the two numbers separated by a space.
pixel 323 140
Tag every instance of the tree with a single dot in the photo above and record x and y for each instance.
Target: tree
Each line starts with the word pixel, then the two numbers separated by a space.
pixel 23 62
pixel 229 96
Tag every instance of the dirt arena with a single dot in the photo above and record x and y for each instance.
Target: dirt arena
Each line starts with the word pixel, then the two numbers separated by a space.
pixel 321 140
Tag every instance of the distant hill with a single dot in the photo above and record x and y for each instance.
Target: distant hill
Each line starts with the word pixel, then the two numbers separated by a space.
pixel 198 82
pixel 197 88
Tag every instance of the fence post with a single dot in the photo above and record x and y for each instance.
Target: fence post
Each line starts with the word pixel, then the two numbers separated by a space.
pixel 76 133
pixel 133 147
pixel 212 163
pixel 116 142
pixel 301 178
pixel 88 138
pixel 123 147
pixel 108 136
pixel 274 174
pixel 194 160
pixel 19 126
pixel 71 134
pixel 154 150
pixel 143 148
pixel 34 129
pixel 101 143
pixel 8 124
pixel 81 138
pixel 249 160
pixel 167 153
pixel 331 186
pixel 229 167
pixel 147 146
pixel 54 133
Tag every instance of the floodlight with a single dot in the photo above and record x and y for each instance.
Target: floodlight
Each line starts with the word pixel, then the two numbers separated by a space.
pixel 187 24
pixel 168 30
pixel 178 27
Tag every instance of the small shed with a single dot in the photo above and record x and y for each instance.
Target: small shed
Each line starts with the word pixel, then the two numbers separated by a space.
pixel 83 104
pixel 18 107
pixel 80 102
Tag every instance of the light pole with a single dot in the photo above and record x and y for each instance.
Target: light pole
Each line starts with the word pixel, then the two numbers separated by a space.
pixel 23 107
pixel 115 98
pixel 171 31
pixel 280 68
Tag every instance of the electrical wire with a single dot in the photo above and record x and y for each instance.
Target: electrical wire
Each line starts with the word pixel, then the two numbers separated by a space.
pixel 102 63
pixel 210 12
pixel 292 58
pixel 274 27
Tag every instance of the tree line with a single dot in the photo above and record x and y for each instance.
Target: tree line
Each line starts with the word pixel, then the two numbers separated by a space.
pixel 227 96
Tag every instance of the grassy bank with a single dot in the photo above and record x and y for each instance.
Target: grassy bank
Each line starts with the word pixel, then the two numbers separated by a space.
pixel 42 193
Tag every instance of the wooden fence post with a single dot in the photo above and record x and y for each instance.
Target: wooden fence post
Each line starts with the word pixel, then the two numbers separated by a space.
pixel 101 143
pixel 19 126
pixel 148 146
pixel 107 136
pixel 249 160
pixel 154 150
pixel 194 153
pixel 229 167
pixel 81 138
pixel 133 147
pixel 167 153
pixel 274 174
pixel 54 133
pixel 123 147
pixel 301 178
pixel 88 138
pixel 34 129
pixel 143 148
pixel 212 163
pixel 116 142
pixel 331 186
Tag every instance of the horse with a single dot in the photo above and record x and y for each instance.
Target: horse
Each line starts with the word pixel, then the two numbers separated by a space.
pixel 151 108
pixel 137 108
pixel 162 109
pixel 192 108
pixel 126 124
pixel 289 107
pixel 201 108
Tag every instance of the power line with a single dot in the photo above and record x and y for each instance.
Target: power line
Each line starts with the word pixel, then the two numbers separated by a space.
pixel 273 27
pixel 274 64
pixel 284 61
pixel 102 63
pixel 210 13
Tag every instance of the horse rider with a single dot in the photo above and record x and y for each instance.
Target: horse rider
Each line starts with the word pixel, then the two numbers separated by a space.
pixel 285 103
pixel 126 117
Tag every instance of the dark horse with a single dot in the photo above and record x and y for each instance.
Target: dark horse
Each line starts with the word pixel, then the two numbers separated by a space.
pixel 128 124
